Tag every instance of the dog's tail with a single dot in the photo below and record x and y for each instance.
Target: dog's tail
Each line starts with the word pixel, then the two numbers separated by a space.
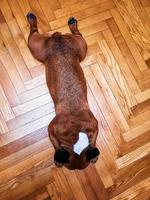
pixel 57 35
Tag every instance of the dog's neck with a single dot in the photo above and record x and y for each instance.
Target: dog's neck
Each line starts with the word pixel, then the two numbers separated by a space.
pixel 81 144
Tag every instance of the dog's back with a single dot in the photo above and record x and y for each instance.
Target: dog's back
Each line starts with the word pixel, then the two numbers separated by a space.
pixel 65 75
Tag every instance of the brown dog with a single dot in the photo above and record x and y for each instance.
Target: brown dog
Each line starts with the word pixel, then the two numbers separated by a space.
pixel 61 55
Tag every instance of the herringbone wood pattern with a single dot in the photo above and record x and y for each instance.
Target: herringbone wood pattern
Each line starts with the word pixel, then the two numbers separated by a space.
pixel 117 69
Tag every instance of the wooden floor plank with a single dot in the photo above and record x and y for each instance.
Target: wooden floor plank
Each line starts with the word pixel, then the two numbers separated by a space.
pixel 39 194
pixel 28 181
pixel 104 173
pixel 8 87
pixel 62 184
pixel 93 187
pixel 37 70
pixel 142 107
pixel 143 96
pixel 23 142
pixel 94 19
pixel 74 184
pixel 142 14
pixel 120 40
pixel 137 30
pixel 20 18
pixel 121 62
pixel 106 64
pixel 24 165
pixel 3 125
pixel 104 136
pixel 47 9
pixel 86 31
pixel 33 93
pixel 75 8
pixel 31 105
pixel 144 85
pixel 30 116
pixel 25 6
pixel 129 40
pixel 137 131
pixel 37 81
pixel 25 153
pixel 139 119
pixel 12 71
pixel 17 34
pixel 102 6
pixel 14 52
pixel 104 109
pixel 148 11
pixel 26 129
pixel 108 95
pixel 129 176
pixel 135 143
pixel 53 191
pixel 133 156
pixel 5 106
pixel 43 23
pixel 134 191
pixel 21 43
pixel 145 3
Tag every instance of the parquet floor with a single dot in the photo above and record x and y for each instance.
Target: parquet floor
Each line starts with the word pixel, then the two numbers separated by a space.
pixel 117 69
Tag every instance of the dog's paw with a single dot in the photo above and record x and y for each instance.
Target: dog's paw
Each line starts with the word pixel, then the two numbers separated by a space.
pixel 92 154
pixel 58 164
pixel 31 17
pixel 72 20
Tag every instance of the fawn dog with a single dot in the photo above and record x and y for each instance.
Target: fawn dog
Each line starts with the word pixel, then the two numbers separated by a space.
pixel 62 55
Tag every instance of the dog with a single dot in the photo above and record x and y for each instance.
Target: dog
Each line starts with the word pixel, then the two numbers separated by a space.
pixel 65 79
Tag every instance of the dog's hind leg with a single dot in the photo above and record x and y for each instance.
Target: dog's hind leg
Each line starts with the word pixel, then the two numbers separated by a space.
pixel 72 23
pixel 80 42
pixel 36 41
pixel 33 23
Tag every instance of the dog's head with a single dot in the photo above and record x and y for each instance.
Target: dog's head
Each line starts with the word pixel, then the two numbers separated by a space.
pixel 64 135
pixel 71 160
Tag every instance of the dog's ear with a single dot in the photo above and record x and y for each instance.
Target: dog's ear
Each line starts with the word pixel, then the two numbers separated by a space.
pixel 92 154
pixel 61 157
